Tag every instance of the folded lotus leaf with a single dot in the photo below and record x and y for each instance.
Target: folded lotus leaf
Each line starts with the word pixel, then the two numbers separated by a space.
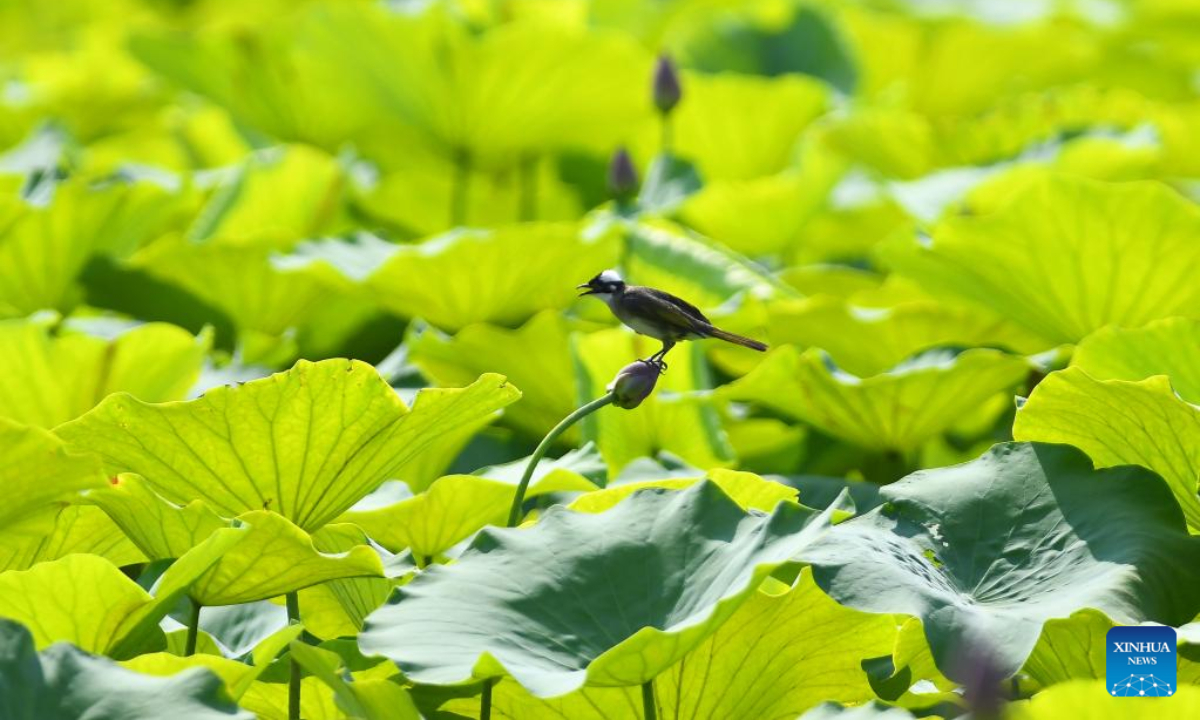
pixel 985 553
pixel 275 556
pixel 88 601
pixel 609 599
pixel 65 683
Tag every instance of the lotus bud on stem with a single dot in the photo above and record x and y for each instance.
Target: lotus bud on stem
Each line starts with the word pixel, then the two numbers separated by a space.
pixel 622 177
pixel 667 93
pixel 629 388
pixel 634 383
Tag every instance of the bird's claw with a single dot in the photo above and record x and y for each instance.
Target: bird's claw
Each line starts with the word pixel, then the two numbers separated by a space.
pixel 655 362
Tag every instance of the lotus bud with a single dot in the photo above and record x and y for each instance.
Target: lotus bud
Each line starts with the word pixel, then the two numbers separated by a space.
pixel 634 383
pixel 981 679
pixel 666 85
pixel 622 176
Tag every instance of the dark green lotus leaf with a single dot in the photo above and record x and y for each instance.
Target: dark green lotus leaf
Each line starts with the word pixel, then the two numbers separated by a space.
pixel 610 599
pixel 65 683
pixel 782 652
pixel 987 552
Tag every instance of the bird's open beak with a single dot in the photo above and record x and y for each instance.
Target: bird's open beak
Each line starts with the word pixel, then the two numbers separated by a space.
pixel 587 289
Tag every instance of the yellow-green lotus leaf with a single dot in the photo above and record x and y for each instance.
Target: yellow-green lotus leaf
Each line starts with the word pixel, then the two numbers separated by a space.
pixel 1167 347
pixel 1090 700
pixel 43 249
pixel 737 127
pixel 1118 422
pixel 159 527
pixel 269 701
pixel 274 200
pixel 369 696
pixel 86 600
pixel 491 93
pixel 243 281
pixel 866 341
pixel 756 217
pixel 48 378
pixel 473 276
pixel 746 489
pixel 74 529
pixel 237 676
pixel 535 356
pixel 898 409
pixel 232 673
pixel 307 443
pixel 1070 649
pixel 337 608
pixel 447 513
pixel 275 557
pixel 1066 256
pixel 39 474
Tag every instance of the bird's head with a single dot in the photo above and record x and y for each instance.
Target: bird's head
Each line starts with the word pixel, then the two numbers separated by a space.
pixel 608 282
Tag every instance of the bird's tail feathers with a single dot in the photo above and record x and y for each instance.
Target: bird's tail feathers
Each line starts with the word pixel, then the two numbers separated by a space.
pixel 736 339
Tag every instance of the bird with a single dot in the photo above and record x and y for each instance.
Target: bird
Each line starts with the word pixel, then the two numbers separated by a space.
pixel 657 314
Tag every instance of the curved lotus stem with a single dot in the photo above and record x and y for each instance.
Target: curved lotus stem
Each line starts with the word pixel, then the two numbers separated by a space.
pixel 514 513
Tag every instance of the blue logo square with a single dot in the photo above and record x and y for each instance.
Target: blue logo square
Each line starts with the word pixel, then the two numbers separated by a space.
pixel 1140 661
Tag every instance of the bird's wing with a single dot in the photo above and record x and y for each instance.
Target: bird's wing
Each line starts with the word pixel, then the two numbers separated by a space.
pixel 686 307
pixel 665 308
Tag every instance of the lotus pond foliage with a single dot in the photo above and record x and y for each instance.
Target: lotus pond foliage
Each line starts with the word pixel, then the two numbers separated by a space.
pixel 301 415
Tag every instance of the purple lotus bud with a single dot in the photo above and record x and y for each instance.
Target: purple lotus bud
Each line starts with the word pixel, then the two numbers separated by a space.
pixel 666 85
pixel 622 176
pixel 633 384
pixel 981 679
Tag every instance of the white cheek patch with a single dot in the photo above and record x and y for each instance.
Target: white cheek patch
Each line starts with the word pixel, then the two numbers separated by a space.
pixel 607 298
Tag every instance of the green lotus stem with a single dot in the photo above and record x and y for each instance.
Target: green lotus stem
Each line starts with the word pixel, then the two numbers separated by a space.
pixel 293 613
pixel 485 700
pixel 460 190
pixel 664 146
pixel 649 703
pixel 514 513
pixel 193 630
pixel 527 189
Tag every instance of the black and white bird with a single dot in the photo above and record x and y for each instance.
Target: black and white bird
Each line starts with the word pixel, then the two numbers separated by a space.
pixel 658 314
